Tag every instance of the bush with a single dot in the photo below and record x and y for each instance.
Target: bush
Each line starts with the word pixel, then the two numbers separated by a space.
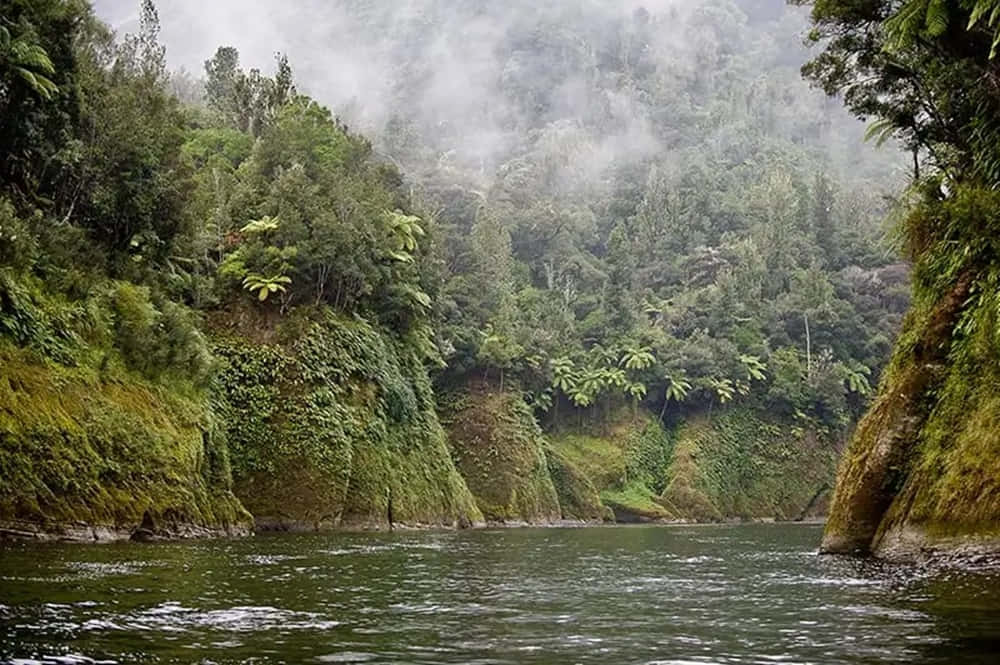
pixel 17 245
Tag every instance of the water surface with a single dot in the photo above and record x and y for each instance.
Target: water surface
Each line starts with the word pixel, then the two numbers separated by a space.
pixel 642 595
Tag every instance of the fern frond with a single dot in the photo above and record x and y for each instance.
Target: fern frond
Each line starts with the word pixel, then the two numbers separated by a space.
pixel 937 18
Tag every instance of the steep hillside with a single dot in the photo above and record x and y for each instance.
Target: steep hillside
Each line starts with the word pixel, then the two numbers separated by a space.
pixel 922 475
pixel 743 464
pixel 735 464
pixel 331 423
pixel 96 443
pixel 500 452
pixel 626 460
pixel 613 213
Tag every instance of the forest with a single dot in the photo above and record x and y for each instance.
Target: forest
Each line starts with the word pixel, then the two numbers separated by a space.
pixel 624 263
pixel 326 326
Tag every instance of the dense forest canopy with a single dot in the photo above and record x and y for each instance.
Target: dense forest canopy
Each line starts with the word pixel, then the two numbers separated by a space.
pixel 605 203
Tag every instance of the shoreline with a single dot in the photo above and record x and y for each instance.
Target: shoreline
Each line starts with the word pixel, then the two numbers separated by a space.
pixel 24 531
pixel 974 553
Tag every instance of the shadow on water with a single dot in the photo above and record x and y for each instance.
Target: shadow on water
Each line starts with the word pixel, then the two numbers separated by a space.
pixel 644 595
pixel 965 609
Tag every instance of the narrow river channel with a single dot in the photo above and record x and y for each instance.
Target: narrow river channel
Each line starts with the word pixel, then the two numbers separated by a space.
pixel 642 595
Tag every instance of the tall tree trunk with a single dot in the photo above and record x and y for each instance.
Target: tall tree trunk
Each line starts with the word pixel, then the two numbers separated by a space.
pixel 809 364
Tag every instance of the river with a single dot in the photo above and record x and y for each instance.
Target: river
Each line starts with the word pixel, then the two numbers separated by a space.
pixel 615 595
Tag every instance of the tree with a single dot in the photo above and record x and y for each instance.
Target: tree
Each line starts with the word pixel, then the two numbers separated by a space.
pixel 914 67
pixel 499 350
pixel 404 231
pixel 755 369
pixel 564 379
pixel 677 390
pixel 637 358
pixel 723 389
pixel 22 57
pixel 247 101
pixel 637 391
pixel 856 380
pixel 265 286
pixel 263 226
pixel 47 50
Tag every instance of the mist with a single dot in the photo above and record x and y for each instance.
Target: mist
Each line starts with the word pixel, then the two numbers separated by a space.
pixel 474 84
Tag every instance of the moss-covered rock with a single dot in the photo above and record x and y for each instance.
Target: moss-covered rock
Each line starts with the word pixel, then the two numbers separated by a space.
pixel 742 464
pixel 578 498
pixel 95 457
pixel 499 450
pixel 625 458
pixel 331 423
pixel 736 465
pixel 922 472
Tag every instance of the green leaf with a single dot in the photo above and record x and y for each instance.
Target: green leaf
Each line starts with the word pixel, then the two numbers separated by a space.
pixel 937 18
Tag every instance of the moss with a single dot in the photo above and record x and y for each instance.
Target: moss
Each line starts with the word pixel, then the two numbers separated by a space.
pixel 951 488
pixel 738 464
pixel 743 464
pixel 578 498
pixel 332 423
pixel 684 493
pixel 601 459
pixel 923 470
pixel 635 503
pixel 500 451
pixel 626 463
pixel 888 446
pixel 80 447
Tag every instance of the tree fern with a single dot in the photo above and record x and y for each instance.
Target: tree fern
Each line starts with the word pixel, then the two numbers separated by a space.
pixel 28 61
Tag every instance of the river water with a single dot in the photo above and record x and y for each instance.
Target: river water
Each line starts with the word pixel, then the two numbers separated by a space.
pixel 616 595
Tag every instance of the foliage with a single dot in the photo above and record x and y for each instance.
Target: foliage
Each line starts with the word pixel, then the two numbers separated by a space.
pixel 737 261
pixel 329 422
pixel 728 244
pixel 23 57
pixel 247 101
pixel 500 451
pixel 265 286
pixel 923 458
pixel 79 448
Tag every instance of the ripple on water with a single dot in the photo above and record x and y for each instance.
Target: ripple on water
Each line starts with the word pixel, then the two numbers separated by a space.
pixel 347 657
pixel 643 596
pixel 271 559
pixel 174 617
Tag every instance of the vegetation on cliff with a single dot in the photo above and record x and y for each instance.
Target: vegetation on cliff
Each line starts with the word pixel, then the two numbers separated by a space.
pixel 500 452
pixel 169 283
pixel 612 283
pixel 922 468
pixel 332 423
pixel 737 464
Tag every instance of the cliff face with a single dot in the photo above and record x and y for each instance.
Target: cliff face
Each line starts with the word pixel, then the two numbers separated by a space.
pixel 89 458
pixel 922 473
pixel 331 423
pixel 748 465
pixel 500 451
pixel 736 464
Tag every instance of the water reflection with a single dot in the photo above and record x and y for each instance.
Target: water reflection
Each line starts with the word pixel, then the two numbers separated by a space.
pixel 723 594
